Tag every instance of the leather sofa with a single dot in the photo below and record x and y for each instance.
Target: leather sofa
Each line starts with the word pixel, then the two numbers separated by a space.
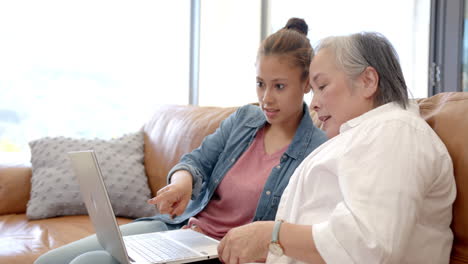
pixel 174 130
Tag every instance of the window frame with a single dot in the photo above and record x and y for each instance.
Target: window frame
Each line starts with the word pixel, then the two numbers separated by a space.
pixel 446 46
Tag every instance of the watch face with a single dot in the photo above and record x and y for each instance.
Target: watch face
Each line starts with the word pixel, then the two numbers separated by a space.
pixel 276 249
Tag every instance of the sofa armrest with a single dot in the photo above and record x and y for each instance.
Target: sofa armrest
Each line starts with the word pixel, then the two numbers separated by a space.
pixel 15 184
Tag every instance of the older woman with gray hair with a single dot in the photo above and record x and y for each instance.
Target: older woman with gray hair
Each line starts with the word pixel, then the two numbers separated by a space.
pixel 379 191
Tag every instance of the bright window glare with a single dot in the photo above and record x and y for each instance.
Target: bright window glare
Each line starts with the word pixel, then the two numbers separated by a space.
pixel 404 22
pixel 230 37
pixel 88 68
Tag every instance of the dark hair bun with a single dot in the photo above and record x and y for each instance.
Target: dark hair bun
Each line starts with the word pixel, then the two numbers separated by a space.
pixel 297 24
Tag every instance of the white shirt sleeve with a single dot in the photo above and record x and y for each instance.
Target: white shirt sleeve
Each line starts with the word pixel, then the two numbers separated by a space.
pixel 383 175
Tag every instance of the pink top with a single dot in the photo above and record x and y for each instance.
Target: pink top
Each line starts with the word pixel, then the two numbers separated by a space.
pixel 235 200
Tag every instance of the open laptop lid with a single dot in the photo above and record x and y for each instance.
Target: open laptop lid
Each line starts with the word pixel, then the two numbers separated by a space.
pixel 94 194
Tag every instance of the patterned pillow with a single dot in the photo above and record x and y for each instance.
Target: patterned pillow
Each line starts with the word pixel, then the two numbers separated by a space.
pixel 54 187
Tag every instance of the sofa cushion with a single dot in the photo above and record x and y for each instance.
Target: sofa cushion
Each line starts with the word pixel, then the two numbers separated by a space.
pixel 10 178
pixel 54 187
pixel 447 113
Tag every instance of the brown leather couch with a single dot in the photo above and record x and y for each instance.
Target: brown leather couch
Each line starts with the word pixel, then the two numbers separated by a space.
pixel 175 130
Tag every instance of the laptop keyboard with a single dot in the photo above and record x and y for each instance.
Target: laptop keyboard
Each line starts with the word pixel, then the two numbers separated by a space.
pixel 157 249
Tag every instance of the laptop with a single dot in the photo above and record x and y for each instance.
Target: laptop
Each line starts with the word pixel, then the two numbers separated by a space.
pixel 175 246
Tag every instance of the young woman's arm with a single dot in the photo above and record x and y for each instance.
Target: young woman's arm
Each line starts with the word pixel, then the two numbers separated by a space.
pixel 174 198
pixel 201 161
pixel 186 178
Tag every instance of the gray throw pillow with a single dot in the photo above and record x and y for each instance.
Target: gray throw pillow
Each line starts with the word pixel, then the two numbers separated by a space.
pixel 54 187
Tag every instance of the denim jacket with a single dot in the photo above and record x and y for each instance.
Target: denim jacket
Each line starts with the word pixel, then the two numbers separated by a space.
pixel 218 152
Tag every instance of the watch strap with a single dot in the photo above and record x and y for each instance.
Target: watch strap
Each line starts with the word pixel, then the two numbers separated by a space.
pixel 275 233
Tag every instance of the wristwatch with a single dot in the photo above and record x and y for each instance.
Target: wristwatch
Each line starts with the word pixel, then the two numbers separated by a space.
pixel 275 247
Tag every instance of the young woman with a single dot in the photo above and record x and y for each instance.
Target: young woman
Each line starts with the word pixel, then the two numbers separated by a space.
pixel 379 191
pixel 238 174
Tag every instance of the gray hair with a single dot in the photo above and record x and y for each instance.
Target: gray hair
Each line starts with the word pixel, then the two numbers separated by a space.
pixel 354 53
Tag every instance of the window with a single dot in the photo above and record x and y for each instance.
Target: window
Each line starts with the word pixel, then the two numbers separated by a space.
pixel 404 22
pixel 448 48
pixel 97 68
pixel 90 68
pixel 230 37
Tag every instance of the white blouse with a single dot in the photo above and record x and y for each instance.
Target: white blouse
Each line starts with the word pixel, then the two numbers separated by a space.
pixel 379 192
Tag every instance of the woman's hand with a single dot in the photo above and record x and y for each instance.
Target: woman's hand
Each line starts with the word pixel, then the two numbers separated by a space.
pixel 248 243
pixel 194 228
pixel 173 198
